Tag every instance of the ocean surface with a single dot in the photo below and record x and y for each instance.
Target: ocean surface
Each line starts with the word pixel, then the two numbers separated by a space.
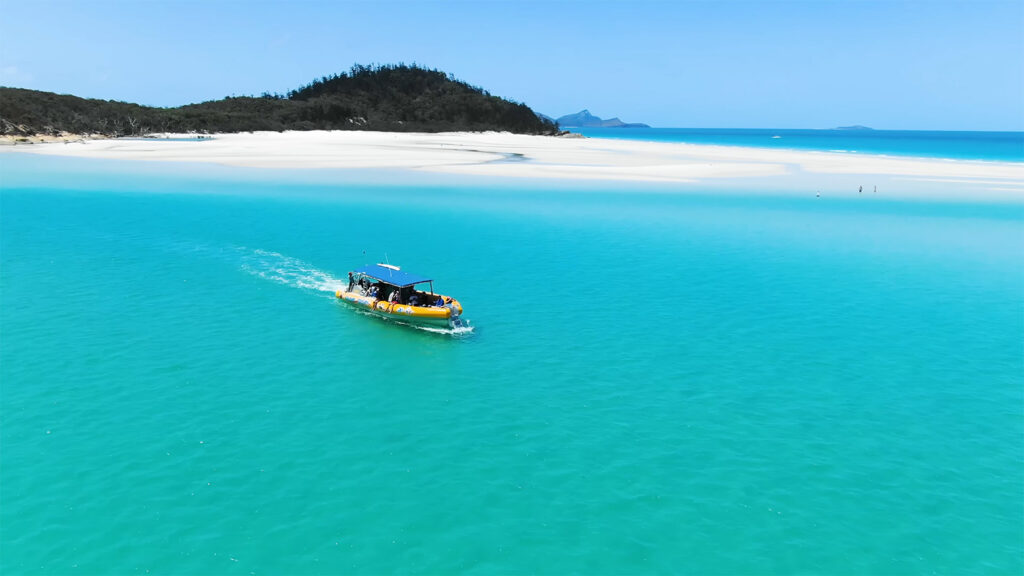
pixel 653 383
pixel 995 146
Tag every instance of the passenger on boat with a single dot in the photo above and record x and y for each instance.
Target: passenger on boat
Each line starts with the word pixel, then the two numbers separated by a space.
pixel 440 302
pixel 414 300
pixel 394 296
pixel 372 291
pixel 351 282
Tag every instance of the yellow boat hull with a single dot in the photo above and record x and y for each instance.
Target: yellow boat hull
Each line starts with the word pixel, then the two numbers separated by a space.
pixel 429 315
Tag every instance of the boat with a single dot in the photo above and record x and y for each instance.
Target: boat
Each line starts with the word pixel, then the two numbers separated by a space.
pixel 390 292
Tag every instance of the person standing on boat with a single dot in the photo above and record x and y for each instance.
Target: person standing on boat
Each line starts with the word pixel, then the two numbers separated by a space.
pixel 351 282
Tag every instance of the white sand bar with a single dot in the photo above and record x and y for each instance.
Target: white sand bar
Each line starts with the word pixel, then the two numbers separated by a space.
pixel 511 155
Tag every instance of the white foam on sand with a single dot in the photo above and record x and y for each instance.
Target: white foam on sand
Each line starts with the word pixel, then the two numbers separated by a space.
pixel 505 155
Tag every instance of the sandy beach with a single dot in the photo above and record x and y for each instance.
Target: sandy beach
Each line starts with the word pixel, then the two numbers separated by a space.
pixel 507 155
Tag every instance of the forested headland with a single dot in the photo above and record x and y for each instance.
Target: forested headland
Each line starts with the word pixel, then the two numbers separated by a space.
pixel 394 98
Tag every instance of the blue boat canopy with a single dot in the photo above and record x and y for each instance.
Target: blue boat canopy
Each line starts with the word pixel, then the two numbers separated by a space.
pixel 391 275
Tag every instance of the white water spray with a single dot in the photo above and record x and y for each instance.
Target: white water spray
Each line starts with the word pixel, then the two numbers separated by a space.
pixel 289 271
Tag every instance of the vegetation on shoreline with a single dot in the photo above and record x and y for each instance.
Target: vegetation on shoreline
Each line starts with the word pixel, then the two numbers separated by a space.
pixel 394 98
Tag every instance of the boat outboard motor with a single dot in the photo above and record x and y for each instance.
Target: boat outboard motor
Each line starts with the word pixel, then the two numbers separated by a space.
pixel 455 319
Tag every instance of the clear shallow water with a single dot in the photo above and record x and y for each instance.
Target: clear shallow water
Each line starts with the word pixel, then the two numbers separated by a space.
pixel 827 386
pixel 1002 146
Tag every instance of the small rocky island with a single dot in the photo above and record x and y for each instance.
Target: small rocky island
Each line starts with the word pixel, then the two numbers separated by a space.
pixel 584 119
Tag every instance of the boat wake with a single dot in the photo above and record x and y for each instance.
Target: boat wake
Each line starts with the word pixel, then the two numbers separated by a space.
pixel 458 331
pixel 289 271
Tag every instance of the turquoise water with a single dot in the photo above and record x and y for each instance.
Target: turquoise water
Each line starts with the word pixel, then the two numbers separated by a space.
pixel 655 383
pixel 1002 146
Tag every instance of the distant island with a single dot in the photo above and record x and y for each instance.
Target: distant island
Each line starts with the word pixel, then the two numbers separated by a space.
pixel 854 127
pixel 393 98
pixel 584 119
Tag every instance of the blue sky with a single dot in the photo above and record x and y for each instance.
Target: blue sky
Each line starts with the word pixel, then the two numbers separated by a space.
pixel 922 64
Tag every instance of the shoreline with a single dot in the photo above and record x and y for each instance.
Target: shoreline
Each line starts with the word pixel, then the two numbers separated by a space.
pixel 514 156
